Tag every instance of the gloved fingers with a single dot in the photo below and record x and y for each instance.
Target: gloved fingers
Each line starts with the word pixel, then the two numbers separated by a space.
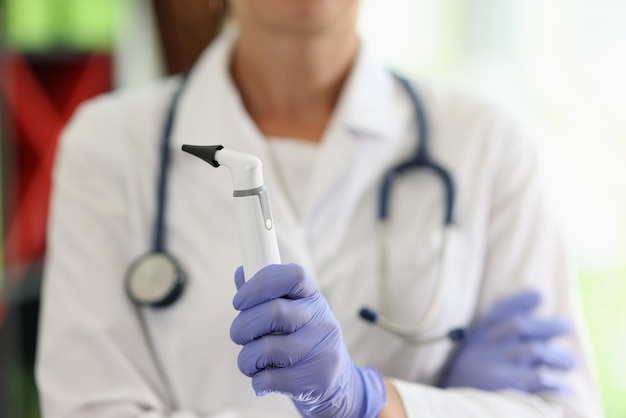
pixel 277 380
pixel 487 376
pixel 521 303
pixel 271 351
pixel 534 354
pixel 303 384
pixel 239 277
pixel 524 327
pixel 525 379
pixel 285 350
pixel 276 316
pixel 543 380
pixel 272 282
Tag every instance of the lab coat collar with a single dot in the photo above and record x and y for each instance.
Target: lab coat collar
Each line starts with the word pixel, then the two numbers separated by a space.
pixel 359 109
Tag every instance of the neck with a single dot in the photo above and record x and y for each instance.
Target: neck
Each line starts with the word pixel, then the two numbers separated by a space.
pixel 290 84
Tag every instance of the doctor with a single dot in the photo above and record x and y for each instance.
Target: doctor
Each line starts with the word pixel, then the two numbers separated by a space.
pixel 294 86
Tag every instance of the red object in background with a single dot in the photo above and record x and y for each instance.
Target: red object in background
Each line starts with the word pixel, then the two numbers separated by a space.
pixel 3 309
pixel 40 93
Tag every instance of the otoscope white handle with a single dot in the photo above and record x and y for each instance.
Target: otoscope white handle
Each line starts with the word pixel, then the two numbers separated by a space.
pixel 255 225
pixel 257 236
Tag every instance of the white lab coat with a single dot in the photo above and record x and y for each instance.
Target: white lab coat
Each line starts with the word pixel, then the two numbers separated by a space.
pixel 95 360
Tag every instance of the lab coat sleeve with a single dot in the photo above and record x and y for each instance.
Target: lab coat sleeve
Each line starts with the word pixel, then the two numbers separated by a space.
pixel 93 360
pixel 430 402
pixel 525 250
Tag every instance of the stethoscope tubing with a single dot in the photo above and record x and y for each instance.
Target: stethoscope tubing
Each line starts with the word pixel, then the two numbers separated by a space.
pixel 159 224
pixel 420 160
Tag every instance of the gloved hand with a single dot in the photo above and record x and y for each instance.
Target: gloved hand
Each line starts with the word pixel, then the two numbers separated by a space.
pixel 510 349
pixel 292 344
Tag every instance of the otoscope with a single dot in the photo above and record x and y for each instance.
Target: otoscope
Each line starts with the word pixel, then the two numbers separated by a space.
pixel 255 225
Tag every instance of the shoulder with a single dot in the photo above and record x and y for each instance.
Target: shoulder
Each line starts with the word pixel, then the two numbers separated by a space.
pixel 468 127
pixel 125 111
pixel 114 137
pixel 486 146
pixel 468 108
pixel 111 124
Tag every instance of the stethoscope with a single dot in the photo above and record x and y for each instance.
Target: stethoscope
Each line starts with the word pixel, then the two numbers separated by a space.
pixel 157 280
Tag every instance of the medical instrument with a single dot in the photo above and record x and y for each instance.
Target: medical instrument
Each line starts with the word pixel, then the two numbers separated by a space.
pixel 164 289
pixel 255 225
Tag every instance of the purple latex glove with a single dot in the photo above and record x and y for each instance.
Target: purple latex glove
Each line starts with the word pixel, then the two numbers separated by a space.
pixel 510 349
pixel 308 360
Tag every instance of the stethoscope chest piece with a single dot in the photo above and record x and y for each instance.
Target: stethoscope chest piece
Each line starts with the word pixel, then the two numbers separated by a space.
pixel 155 280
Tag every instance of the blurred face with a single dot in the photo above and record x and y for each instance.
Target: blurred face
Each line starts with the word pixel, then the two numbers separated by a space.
pixel 296 16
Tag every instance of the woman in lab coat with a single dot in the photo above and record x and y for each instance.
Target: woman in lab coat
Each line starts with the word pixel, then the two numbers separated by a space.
pixel 295 87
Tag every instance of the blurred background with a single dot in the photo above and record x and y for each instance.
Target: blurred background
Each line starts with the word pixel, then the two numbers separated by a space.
pixel 560 65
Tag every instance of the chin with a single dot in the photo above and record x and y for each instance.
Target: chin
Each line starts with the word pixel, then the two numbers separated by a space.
pixel 297 16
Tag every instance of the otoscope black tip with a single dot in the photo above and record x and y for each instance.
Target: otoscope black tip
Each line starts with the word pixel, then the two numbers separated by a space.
pixel 206 153
pixel 368 315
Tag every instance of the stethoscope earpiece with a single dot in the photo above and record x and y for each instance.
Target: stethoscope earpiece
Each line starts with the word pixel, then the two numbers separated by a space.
pixel 155 280
pixel 368 315
pixel 458 334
